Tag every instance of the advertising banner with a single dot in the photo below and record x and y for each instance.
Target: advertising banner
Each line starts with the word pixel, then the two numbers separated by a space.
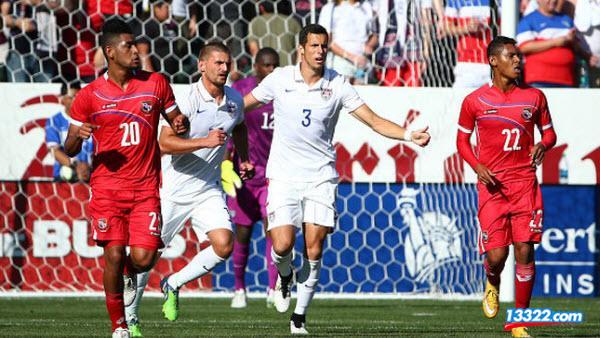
pixel 363 155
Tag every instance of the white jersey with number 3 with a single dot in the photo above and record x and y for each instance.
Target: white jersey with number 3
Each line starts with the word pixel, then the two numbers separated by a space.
pixel 305 120
pixel 186 176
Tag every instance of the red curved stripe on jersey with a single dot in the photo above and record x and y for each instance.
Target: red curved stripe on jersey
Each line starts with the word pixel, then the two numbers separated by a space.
pixel 48 98
pixel 121 113
pixel 505 119
pixel 500 105
pixel 125 97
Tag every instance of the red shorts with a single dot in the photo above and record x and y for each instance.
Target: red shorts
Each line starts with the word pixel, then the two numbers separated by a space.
pixel 511 212
pixel 129 216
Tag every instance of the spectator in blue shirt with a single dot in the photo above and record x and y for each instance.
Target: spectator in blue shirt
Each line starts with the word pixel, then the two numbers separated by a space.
pixel 66 168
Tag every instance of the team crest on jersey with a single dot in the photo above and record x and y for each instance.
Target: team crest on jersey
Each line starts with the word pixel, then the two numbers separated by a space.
pixel 326 93
pixel 146 107
pixel 526 114
pixel 484 236
pixel 102 224
pixel 231 108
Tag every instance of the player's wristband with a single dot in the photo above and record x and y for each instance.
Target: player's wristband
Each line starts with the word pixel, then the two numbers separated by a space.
pixel 408 135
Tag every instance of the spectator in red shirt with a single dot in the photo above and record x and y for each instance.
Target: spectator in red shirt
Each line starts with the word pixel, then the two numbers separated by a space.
pixel 100 10
pixel 549 42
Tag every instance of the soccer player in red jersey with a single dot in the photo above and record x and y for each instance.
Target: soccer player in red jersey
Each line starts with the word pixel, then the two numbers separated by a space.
pixel 503 114
pixel 121 111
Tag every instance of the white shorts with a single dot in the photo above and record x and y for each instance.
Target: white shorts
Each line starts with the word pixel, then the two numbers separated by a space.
pixel 341 65
pixel 207 213
pixel 471 75
pixel 301 202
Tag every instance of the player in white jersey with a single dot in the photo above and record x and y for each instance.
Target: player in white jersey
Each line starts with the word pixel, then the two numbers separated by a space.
pixel 191 187
pixel 307 100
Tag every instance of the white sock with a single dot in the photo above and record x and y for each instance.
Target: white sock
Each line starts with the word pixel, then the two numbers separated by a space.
pixel 199 266
pixel 131 311
pixel 308 278
pixel 283 263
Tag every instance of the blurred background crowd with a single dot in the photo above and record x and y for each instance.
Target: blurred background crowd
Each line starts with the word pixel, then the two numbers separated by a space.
pixel 433 43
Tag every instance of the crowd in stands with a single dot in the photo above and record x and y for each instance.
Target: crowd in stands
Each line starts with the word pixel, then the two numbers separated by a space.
pixel 434 43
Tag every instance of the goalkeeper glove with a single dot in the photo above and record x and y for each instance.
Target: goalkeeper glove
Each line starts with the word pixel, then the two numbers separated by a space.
pixel 229 178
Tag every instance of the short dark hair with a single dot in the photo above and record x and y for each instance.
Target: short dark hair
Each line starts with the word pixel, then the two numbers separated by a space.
pixel 266 51
pixel 211 47
pixel 497 44
pixel 267 6
pixel 112 29
pixel 64 87
pixel 310 29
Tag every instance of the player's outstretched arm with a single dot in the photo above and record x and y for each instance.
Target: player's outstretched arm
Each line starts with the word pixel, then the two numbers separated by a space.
pixel 250 102
pixel 75 137
pixel 390 129
pixel 171 143
pixel 240 141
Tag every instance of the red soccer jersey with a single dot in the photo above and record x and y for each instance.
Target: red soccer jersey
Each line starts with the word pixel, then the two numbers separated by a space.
pixel 126 152
pixel 504 123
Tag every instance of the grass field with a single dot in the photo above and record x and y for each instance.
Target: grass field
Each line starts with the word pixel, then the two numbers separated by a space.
pixel 86 317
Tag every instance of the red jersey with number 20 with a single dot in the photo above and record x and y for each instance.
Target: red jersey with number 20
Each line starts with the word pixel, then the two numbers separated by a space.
pixel 126 151
pixel 504 124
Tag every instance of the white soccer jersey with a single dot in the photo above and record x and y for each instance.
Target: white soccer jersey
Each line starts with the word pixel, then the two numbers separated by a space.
pixel 305 120
pixel 186 176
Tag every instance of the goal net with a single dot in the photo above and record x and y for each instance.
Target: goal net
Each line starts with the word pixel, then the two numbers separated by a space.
pixel 393 236
pixel 407 230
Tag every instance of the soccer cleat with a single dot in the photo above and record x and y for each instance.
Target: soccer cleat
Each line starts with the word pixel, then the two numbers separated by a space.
pixel 520 332
pixel 134 328
pixel 129 289
pixel 283 294
pixel 298 324
pixel 490 301
pixel 270 298
pixel 170 307
pixel 239 299
pixel 120 332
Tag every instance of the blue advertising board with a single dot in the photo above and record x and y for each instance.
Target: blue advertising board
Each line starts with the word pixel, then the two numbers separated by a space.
pixel 567 261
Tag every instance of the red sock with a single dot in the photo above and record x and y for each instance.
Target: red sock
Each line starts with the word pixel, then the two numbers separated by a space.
pixel 492 276
pixel 524 279
pixel 116 310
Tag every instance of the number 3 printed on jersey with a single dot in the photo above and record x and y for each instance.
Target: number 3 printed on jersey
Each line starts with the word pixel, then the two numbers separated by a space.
pixel 509 135
pixel 131 134
pixel 306 121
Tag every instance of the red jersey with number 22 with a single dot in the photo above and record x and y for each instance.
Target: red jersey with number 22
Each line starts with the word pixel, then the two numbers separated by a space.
pixel 504 124
pixel 126 152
